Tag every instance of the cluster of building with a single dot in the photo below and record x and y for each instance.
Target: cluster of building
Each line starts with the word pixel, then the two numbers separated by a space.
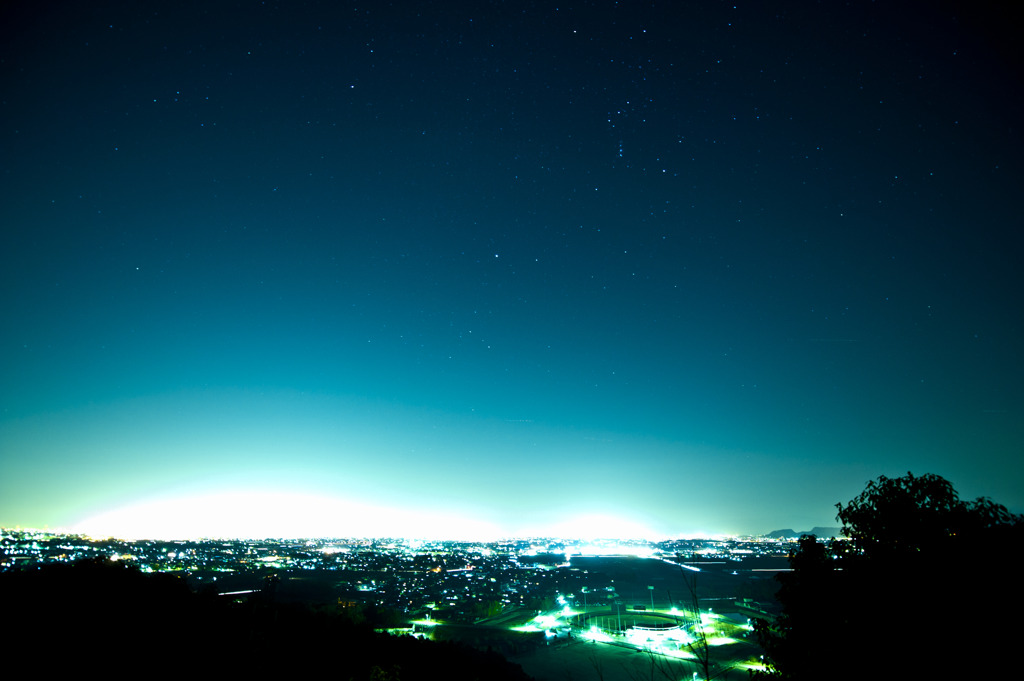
pixel 454 581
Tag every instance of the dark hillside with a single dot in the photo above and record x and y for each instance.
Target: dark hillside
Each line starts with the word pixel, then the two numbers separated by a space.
pixel 104 613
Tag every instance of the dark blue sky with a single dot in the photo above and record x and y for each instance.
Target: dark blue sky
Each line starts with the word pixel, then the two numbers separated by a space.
pixel 504 267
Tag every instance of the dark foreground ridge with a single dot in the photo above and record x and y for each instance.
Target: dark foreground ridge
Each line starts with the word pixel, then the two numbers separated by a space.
pixel 110 614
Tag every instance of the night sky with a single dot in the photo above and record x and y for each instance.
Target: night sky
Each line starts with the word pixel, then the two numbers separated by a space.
pixel 490 268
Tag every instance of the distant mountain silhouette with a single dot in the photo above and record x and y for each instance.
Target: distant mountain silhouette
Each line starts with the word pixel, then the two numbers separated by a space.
pixel 820 532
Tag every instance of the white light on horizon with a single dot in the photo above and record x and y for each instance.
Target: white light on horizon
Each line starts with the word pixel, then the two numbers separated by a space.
pixel 593 527
pixel 261 514
pixel 258 515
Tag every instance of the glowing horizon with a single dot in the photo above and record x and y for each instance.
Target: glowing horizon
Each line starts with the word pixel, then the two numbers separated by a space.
pixel 294 515
pixel 329 465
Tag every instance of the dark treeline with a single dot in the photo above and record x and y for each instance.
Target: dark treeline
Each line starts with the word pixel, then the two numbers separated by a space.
pixel 102 615
pixel 925 586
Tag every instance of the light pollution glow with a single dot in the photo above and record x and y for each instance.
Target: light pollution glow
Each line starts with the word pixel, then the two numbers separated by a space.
pixel 261 514
pixel 240 464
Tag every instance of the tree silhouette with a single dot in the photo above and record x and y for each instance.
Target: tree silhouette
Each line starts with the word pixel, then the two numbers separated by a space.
pixel 699 645
pixel 912 591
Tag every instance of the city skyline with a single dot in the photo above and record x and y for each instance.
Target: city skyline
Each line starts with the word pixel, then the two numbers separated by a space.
pixel 501 269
